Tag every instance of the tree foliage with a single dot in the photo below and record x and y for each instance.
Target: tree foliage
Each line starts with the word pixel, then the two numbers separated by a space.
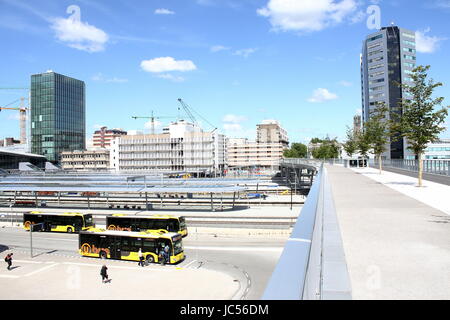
pixel 350 146
pixel 328 149
pixel 420 123
pixel 297 150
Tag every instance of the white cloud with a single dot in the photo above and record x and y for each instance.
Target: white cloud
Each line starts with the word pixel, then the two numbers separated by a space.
pixel 101 78
pixel 164 11
pixel 167 64
pixel 425 43
pixel 219 48
pixel 245 52
pixel 307 15
pixel 170 77
pixel 232 127
pixel 79 35
pixel 345 83
pixel 234 118
pixel 322 95
pixel 232 124
pixel 156 124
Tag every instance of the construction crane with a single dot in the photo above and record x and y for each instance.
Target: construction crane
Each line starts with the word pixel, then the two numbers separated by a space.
pixel 188 109
pixel 152 120
pixel 22 119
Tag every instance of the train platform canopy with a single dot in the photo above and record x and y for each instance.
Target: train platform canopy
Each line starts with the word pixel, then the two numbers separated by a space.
pixel 122 189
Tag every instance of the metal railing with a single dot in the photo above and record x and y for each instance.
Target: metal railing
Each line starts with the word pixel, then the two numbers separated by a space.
pixel 312 265
pixel 441 167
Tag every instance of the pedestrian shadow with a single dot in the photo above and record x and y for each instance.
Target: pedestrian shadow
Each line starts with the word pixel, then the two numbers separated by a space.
pixel 15 267
pixel 107 281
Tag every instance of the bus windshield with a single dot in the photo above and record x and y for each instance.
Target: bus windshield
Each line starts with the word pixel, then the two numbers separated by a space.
pixel 177 247
pixel 182 223
pixel 88 221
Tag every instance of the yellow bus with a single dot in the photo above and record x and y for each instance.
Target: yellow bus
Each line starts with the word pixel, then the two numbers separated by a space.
pixel 161 223
pixel 59 222
pixel 124 245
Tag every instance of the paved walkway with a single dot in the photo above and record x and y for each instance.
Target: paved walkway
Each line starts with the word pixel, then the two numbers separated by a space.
pixel 396 247
pixel 436 195
pixel 55 277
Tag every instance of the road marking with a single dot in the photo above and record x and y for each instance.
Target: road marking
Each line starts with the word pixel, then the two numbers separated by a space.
pixel 189 263
pixel 41 269
pixel 254 249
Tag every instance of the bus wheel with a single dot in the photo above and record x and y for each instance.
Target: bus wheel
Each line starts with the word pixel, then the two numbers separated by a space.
pixel 69 230
pixel 150 259
pixel 103 255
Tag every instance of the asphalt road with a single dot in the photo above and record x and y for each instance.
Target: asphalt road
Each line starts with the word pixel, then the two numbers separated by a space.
pixel 249 260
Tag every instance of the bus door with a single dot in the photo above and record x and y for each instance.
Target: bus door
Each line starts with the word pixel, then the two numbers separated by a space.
pixel 115 250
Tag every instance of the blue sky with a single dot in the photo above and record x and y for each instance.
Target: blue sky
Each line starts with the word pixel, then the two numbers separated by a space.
pixel 235 62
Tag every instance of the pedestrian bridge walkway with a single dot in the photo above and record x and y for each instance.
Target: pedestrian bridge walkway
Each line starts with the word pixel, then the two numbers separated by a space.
pixel 395 235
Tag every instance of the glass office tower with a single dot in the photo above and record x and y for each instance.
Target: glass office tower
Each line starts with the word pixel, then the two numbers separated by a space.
pixel 388 57
pixel 58 115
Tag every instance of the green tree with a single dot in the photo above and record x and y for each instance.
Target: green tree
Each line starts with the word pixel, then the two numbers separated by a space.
pixel 419 123
pixel 350 145
pixel 378 130
pixel 363 142
pixel 328 149
pixel 297 150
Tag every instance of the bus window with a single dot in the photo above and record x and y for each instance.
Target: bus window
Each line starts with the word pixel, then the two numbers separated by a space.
pixel 160 224
pixel 149 245
pixel 126 244
pixel 136 243
pixel 172 226
pixel 78 223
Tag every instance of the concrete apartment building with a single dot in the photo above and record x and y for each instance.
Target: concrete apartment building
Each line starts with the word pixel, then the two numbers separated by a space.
pixel 102 138
pixel 184 147
pixel 86 160
pixel 388 56
pixel 266 152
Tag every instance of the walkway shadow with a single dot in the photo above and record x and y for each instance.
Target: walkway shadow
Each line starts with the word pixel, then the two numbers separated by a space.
pixel 3 248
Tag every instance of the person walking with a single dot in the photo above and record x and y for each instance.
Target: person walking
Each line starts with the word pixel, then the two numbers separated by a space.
pixel 8 260
pixel 141 258
pixel 104 274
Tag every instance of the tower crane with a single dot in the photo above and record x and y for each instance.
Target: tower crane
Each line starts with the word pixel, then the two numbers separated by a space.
pixel 152 120
pixel 22 119
pixel 188 109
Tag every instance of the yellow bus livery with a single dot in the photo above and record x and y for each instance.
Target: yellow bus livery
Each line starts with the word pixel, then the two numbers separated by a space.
pixel 124 245
pixel 59 222
pixel 163 223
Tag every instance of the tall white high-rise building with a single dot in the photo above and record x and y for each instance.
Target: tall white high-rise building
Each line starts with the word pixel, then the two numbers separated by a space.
pixel 388 57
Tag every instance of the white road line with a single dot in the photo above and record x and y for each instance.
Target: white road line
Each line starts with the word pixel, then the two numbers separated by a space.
pixel 189 263
pixel 41 269
pixel 275 249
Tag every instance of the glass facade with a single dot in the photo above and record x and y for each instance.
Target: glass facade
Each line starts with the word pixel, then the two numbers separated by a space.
pixel 58 115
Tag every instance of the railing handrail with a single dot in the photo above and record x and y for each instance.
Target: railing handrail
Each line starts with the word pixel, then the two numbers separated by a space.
pixel 303 270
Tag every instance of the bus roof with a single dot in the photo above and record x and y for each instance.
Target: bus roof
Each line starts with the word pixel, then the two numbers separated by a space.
pixel 157 216
pixel 59 214
pixel 142 234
